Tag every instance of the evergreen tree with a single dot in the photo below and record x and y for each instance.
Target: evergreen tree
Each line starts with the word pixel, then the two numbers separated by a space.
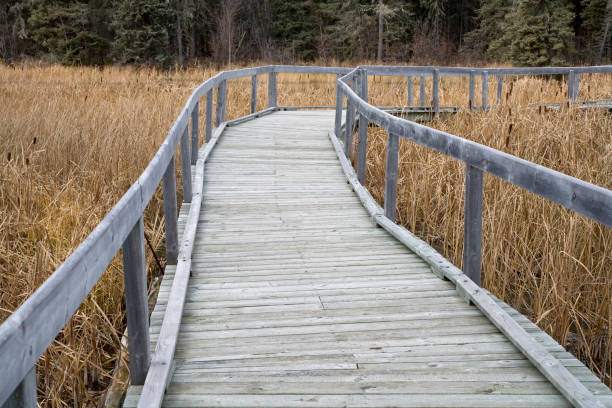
pixel 141 32
pixel 294 28
pixel 596 21
pixel 62 28
pixel 490 37
pixel 541 33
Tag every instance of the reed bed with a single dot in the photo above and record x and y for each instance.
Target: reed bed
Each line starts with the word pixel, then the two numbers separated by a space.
pixel 549 263
pixel 74 139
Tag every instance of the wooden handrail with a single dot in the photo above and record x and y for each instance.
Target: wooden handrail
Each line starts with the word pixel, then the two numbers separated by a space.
pixel 27 333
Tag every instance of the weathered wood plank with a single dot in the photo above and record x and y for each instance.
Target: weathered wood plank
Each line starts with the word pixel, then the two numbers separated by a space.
pixel 563 380
pixel 195 142
pixel 136 299
pixel 391 175
pixel 254 86
pixel 170 218
pixel 472 226
pixel 186 167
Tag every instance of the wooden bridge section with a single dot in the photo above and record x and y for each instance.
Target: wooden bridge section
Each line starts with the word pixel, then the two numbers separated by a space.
pixel 297 298
pixel 287 285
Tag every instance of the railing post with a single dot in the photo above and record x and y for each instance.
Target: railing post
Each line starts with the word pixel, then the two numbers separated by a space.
pixel 573 83
pixel 500 86
pixel 472 224
pixel 410 80
pixel 186 167
pixel 422 90
pixel 362 142
pixel 136 302
pixel 169 195
pixel 209 114
pixel 272 98
pixel 25 394
pixel 254 93
pixel 485 90
pixel 348 130
pixel 576 87
pixel 391 175
pixel 221 97
pixel 195 123
pixel 436 91
pixel 472 88
pixel 338 119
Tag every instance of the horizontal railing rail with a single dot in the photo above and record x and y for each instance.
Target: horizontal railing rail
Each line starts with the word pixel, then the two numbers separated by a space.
pixel 27 332
pixel 579 196
pixel 576 195
pixel 411 72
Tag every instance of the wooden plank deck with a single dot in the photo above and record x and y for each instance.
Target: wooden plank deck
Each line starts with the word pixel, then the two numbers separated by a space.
pixel 298 300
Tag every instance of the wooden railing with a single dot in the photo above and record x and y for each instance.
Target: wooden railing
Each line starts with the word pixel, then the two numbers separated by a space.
pixel 27 333
pixel 587 199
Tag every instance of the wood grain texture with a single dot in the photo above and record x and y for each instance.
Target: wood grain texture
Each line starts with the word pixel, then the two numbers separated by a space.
pixel 195 142
pixel 565 379
pixel 136 302
pixel 297 299
pixel 472 224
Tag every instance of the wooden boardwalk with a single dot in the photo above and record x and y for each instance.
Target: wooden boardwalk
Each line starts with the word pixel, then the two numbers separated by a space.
pixel 297 299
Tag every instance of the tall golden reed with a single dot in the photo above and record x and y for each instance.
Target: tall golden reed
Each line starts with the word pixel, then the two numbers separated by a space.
pixel 72 141
pixel 549 263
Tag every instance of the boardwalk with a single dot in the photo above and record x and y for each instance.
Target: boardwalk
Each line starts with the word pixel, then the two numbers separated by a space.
pixel 289 286
pixel 297 299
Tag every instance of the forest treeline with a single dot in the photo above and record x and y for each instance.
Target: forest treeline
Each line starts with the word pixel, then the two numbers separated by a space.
pixel 167 32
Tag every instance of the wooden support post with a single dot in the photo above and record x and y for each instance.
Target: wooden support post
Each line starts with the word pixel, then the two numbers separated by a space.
pixel 338 118
pixel 391 175
pixel 436 92
pixel 410 83
pixel 472 225
pixel 362 142
pixel 221 97
pixel 209 114
pixel 348 129
pixel 485 90
pixel 25 394
pixel 254 93
pixel 472 88
pixel 576 87
pixel 272 96
pixel 136 302
pixel 422 90
pixel 500 87
pixel 170 218
pixel 195 123
pixel 186 167
pixel 570 85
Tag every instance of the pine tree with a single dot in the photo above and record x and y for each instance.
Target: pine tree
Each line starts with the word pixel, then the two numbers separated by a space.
pixel 596 21
pixel 62 28
pixel 541 33
pixel 489 38
pixel 294 28
pixel 141 28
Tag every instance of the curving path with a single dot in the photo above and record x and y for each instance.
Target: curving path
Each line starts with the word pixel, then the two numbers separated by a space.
pixel 297 299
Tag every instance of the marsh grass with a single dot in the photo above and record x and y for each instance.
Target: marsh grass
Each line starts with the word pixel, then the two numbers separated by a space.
pixel 73 140
pixel 549 263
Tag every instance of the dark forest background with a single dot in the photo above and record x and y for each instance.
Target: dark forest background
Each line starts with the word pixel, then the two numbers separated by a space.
pixel 168 32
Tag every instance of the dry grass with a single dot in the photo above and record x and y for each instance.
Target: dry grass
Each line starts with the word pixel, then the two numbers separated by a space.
pixel 551 264
pixel 73 139
pixel 71 143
